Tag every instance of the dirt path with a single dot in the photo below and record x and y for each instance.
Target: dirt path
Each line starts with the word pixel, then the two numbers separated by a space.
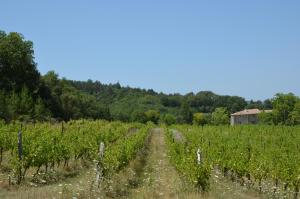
pixel 160 178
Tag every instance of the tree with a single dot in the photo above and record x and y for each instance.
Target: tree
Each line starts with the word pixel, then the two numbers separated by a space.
pixel 20 105
pixel 138 116
pixel 186 115
pixel 220 116
pixel 283 105
pixel 294 116
pixel 265 118
pixel 3 106
pixel 171 100
pixel 152 115
pixel 17 66
pixel 51 92
pixel 268 104
pixel 169 119
pixel 199 119
pixel 255 104
pixel 41 113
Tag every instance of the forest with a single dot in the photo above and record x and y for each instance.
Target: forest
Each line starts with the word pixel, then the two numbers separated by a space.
pixel 27 95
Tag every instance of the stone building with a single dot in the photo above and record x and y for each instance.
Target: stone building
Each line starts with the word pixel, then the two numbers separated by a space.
pixel 247 116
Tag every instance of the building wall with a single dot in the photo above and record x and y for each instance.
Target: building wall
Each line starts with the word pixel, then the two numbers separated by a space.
pixel 244 119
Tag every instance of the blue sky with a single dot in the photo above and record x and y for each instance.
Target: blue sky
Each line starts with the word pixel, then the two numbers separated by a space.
pixel 245 48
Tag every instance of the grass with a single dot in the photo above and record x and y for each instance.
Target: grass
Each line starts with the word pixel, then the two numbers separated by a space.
pixel 51 184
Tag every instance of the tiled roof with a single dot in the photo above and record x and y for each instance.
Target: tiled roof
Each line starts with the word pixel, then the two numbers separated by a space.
pixel 250 112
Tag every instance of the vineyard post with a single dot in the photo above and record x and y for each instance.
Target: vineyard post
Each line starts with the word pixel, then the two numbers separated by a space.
pixel 99 165
pixel 20 154
pixel 296 188
pixel 198 156
pixel 9 180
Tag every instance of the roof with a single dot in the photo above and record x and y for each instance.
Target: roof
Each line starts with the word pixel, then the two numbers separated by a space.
pixel 250 112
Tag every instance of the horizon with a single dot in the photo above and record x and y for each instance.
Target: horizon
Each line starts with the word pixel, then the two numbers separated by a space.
pixel 245 49
pixel 124 86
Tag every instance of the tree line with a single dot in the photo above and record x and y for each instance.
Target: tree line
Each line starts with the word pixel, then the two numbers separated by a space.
pixel 27 95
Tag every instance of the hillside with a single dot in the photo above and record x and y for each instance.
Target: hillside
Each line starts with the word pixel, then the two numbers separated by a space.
pixel 25 94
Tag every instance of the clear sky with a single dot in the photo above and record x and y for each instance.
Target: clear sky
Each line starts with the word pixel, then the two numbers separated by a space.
pixel 245 48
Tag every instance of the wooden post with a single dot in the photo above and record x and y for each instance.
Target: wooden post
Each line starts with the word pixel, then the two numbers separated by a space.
pixel 99 168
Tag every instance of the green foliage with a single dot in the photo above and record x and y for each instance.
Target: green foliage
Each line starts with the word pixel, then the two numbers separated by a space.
pixel 207 102
pixel 3 105
pixel 119 154
pixel 199 119
pixel 129 104
pixel 186 114
pixel 67 103
pixel 183 157
pixel 20 105
pixel 294 116
pixel 169 119
pixel 265 118
pixel 220 116
pixel 17 67
pixel 257 152
pixel 41 113
pixel 283 105
pixel 152 115
pixel 45 145
pixel 138 116
pixel 262 105
pixel 27 96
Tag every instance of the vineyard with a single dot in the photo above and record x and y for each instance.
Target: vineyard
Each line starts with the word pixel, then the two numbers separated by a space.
pixel 262 158
pixel 52 145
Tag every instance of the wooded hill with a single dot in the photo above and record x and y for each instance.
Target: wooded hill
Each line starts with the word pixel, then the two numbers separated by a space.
pixel 25 94
pixel 128 104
